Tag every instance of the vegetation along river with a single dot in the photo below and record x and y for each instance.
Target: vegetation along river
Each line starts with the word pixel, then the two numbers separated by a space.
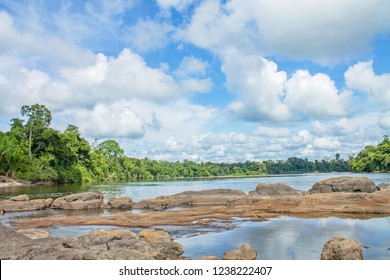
pixel 279 238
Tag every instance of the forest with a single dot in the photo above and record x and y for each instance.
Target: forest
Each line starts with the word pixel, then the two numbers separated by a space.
pixel 32 150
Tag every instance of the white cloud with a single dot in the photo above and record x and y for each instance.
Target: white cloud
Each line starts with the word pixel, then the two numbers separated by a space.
pixel 384 121
pixel 196 85
pixel 327 143
pixel 272 132
pixel 258 85
pixel 316 95
pixel 148 35
pixel 361 77
pixel 113 120
pixel 303 29
pixel 190 66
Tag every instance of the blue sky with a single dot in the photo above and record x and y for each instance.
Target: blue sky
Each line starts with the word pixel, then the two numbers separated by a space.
pixel 203 80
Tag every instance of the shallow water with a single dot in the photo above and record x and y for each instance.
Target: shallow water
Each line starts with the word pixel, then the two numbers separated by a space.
pixel 285 238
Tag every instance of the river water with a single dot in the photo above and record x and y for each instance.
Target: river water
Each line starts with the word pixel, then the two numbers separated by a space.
pixel 284 238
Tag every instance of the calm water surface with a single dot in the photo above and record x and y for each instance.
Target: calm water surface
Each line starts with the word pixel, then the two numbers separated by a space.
pixel 285 238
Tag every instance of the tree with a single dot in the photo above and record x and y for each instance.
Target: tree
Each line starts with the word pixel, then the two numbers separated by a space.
pixel 39 118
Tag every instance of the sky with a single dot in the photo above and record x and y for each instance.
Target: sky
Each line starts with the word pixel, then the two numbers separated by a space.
pixel 212 80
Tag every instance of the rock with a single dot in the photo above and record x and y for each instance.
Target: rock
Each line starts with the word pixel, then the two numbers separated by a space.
pixel 344 184
pixel 339 248
pixel 193 198
pixel 155 236
pixel 97 245
pixel 274 190
pixel 80 201
pixel 22 197
pixel 245 252
pixel 207 258
pixel 383 186
pixel 25 205
pixel 9 182
pixel 34 233
pixel 120 203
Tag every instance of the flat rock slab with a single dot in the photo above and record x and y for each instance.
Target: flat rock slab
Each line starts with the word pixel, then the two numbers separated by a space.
pixel 25 205
pixel 344 184
pixel 79 201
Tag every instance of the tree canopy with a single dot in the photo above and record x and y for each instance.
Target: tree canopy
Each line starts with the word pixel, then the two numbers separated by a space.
pixel 32 150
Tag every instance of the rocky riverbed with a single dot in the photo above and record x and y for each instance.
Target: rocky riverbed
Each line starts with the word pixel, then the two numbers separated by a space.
pixel 342 196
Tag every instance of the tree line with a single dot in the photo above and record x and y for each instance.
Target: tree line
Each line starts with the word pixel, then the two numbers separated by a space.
pixel 32 150
pixel 373 158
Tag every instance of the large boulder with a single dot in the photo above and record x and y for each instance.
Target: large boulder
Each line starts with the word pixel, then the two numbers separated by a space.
pixel 339 248
pixel 192 198
pixel 155 236
pixel 344 184
pixel 79 201
pixel 274 190
pixel 245 252
pixel 120 203
pixel 23 203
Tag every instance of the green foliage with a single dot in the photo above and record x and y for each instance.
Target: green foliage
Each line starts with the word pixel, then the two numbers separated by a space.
pixel 373 159
pixel 31 150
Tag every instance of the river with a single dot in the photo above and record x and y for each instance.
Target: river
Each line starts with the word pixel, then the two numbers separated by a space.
pixel 285 238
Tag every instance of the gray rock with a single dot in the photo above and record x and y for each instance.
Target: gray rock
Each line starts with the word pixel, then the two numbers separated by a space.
pixel 274 190
pixel 339 248
pixel 25 205
pixel 80 201
pixel 120 203
pixel 344 184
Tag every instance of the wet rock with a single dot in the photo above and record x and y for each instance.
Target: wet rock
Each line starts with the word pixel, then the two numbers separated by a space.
pixel 33 233
pixel 245 252
pixel 9 182
pixel 339 248
pixel 344 184
pixel 120 203
pixel 21 204
pixel 193 198
pixel 274 190
pixel 80 201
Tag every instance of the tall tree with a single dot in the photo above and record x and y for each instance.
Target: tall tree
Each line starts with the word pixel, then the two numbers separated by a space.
pixel 39 118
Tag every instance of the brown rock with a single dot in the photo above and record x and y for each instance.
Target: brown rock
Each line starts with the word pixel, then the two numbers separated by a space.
pixel 339 248
pixel 25 205
pixel 120 202
pixel 274 190
pixel 344 184
pixel 34 233
pixel 245 252
pixel 80 201
pixel 22 197
pixel 155 236
pixel 209 258
pixel 193 198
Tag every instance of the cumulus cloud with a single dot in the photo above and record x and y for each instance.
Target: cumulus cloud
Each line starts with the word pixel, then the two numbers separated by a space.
pixel 190 66
pixel 112 120
pixel 258 85
pixel 361 77
pixel 316 95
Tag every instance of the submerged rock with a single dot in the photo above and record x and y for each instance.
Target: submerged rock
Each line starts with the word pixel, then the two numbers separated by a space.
pixel 339 248
pixel 274 190
pixel 245 252
pixel 344 184
pixel 79 201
